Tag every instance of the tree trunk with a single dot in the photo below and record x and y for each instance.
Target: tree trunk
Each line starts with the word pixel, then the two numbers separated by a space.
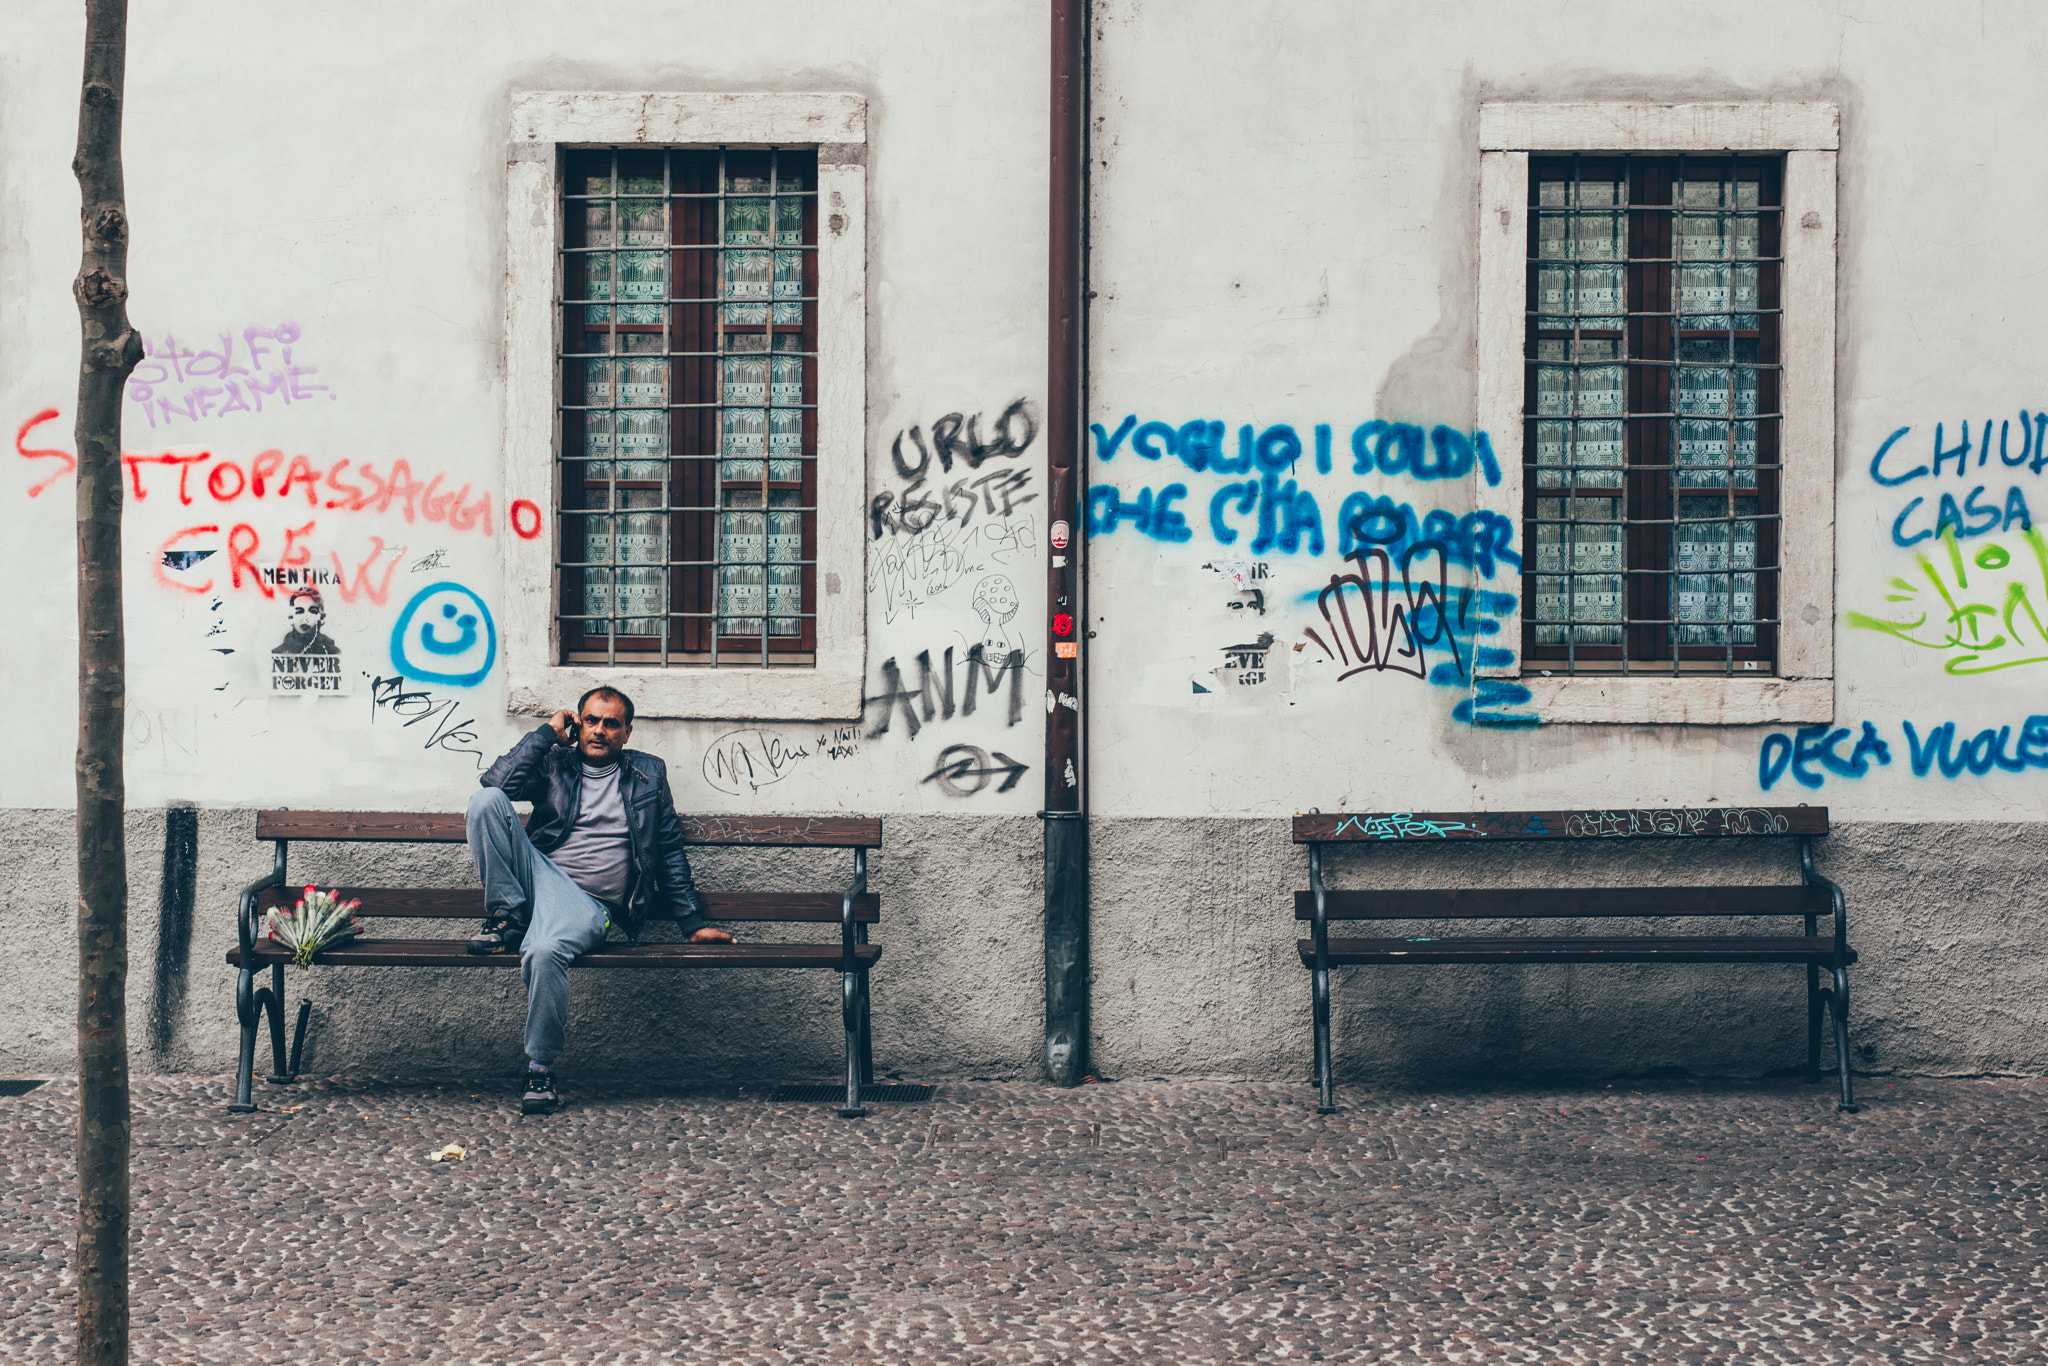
pixel 109 349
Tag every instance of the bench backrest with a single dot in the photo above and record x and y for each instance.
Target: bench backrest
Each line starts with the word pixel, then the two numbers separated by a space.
pixel 443 827
pixel 1683 822
pixel 1579 903
pixel 467 903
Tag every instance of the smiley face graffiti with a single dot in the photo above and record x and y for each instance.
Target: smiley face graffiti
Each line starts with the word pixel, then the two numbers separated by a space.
pixel 445 635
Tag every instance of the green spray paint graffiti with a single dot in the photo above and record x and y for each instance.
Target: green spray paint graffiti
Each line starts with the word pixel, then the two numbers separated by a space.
pixel 1976 609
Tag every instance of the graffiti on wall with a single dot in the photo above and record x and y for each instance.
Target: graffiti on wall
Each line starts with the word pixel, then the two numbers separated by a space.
pixel 1811 754
pixel 1415 598
pixel 907 574
pixel 941 481
pixel 446 730
pixel 246 369
pixel 279 550
pixel 1980 608
pixel 934 694
pixel 1274 511
pixel 1929 511
pixel 749 759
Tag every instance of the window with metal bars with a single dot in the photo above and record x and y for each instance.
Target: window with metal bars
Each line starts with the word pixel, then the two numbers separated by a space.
pixel 688 407
pixel 1652 414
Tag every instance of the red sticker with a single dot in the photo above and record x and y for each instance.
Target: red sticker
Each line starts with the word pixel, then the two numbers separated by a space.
pixel 1062 624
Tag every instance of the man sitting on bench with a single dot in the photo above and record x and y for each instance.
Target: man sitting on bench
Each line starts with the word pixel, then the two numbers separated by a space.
pixel 604 845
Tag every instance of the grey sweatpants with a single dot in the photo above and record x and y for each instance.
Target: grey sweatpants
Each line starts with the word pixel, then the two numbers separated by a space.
pixel 563 920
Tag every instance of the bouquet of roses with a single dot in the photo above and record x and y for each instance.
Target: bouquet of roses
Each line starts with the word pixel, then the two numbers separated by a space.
pixel 320 921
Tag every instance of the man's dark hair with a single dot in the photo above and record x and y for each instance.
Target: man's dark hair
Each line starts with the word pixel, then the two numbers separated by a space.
pixel 602 690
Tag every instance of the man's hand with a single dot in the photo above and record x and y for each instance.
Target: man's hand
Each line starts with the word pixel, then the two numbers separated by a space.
pixel 560 722
pixel 707 935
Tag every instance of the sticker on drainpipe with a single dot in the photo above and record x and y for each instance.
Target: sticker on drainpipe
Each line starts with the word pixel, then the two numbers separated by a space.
pixel 1059 535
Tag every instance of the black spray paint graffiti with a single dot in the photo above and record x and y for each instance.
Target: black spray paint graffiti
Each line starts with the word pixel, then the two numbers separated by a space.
pixel 934 692
pixel 751 759
pixel 1401 621
pixel 924 501
pixel 907 574
pixel 960 763
pixel 447 731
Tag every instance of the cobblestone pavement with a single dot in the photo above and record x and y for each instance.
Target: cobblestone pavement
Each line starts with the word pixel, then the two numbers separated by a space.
pixel 1169 1221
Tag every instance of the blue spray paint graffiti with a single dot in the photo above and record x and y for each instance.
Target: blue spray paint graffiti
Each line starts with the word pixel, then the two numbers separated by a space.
pixel 1396 610
pixel 1391 448
pixel 457 637
pixel 1275 509
pixel 1970 517
pixel 1818 744
pixel 1991 747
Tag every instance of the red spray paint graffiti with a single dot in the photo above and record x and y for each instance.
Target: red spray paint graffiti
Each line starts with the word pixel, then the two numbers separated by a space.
pixel 21 437
pixel 363 490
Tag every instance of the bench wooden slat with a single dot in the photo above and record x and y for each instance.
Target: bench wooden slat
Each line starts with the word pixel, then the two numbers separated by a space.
pixel 467 903
pixel 1691 822
pixel 1515 903
pixel 1574 949
pixel 449 953
pixel 446 827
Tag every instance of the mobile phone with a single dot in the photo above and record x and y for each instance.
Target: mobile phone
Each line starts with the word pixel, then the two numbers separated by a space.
pixel 575 732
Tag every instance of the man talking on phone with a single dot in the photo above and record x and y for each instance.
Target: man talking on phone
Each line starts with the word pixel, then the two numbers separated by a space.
pixel 604 847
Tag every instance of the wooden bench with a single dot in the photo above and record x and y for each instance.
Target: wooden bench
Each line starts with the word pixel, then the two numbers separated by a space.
pixel 854 908
pixel 1814 897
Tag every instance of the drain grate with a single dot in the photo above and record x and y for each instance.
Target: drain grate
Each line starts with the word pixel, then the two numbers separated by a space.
pixel 809 1092
pixel 22 1088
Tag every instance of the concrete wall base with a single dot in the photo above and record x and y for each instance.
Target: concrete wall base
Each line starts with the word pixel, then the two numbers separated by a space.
pixel 1193 962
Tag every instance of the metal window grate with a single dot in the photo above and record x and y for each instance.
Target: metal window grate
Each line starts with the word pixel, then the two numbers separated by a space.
pixel 687 426
pixel 820 1092
pixel 18 1088
pixel 1652 461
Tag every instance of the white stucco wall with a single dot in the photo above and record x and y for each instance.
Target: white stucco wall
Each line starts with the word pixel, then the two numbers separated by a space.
pixel 1283 231
pixel 343 176
pixel 1285 223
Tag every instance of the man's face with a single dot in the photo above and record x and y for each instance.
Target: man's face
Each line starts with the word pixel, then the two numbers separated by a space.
pixel 604 729
pixel 307 616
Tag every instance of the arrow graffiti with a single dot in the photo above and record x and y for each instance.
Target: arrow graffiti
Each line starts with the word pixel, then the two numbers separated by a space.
pixel 962 762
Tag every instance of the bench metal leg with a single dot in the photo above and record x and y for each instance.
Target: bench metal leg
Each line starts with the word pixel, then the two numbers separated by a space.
pixel 246 1009
pixel 283 1066
pixel 299 1038
pixel 1814 1007
pixel 867 1038
pixel 1838 1006
pixel 849 1011
pixel 1325 1086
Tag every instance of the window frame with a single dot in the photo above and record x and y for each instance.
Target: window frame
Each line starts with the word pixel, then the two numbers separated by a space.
pixel 545 125
pixel 1807 136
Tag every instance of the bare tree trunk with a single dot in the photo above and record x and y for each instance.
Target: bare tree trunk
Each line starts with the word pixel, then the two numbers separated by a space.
pixel 109 349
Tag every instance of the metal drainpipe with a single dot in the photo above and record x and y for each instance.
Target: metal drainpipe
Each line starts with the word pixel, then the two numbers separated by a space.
pixel 1065 815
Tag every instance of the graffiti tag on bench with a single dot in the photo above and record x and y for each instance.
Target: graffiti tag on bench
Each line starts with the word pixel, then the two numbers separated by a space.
pixel 1695 822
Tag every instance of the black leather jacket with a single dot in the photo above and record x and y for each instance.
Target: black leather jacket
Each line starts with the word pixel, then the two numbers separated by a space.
pixel 549 774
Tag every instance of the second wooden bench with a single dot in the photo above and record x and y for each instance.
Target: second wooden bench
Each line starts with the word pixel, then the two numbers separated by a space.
pixel 1814 896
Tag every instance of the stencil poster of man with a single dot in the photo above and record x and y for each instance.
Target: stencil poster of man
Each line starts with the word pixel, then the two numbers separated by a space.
pixel 307 660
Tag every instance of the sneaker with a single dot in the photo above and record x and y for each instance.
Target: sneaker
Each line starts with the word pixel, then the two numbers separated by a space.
pixel 500 934
pixel 540 1097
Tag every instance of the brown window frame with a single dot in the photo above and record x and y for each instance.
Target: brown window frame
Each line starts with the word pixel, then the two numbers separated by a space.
pixel 695 319
pixel 1652 476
